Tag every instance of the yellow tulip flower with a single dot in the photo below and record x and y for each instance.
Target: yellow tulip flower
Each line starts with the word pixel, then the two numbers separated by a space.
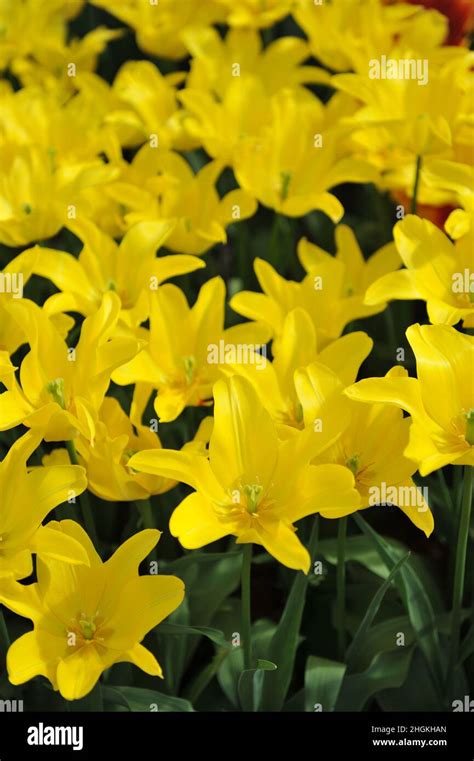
pixel 28 26
pixel 424 119
pixel 161 185
pixel 130 269
pixel 297 347
pixel 220 125
pixel 148 103
pixel 49 65
pixel 60 390
pixel 256 13
pixel 35 197
pixel 159 26
pixel 458 178
pixel 252 485
pixel 345 34
pixel 117 439
pixel 437 271
pixel 371 445
pixel 440 400
pixel 297 158
pixel 86 618
pixel 332 292
pixel 71 134
pixel 27 496
pixel 216 62
pixel 12 282
pixel 182 358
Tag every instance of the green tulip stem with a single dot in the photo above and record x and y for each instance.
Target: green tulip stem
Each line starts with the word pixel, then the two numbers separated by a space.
pixel 86 511
pixel 246 606
pixel 341 588
pixel 416 184
pixel 459 572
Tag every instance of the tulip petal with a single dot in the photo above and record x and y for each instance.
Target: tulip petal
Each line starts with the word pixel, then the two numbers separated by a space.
pixel 34 654
pixel 78 674
pixel 281 542
pixel 195 523
pixel 58 546
pixel 141 657
pixel 244 442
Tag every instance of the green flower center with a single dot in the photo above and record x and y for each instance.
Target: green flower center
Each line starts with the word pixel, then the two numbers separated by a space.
pixel 285 184
pixel 55 388
pixel 353 463
pixel 189 368
pixel 253 492
pixel 87 627
pixel 469 426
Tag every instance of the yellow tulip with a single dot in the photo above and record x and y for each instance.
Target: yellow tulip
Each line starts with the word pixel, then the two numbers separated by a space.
pixel 256 13
pixel 297 347
pixel 160 185
pixel 148 105
pixel 458 178
pixel 179 360
pixel 297 158
pixel 345 34
pixel 27 27
pixel 440 400
pixel 159 26
pixel 252 485
pixel 86 618
pixel 27 496
pixel 216 62
pixel 332 293
pixel 60 389
pixel 424 119
pixel 117 440
pixel 437 271
pixel 35 197
pixel 130 269
pixel 220 125
pixel 372 445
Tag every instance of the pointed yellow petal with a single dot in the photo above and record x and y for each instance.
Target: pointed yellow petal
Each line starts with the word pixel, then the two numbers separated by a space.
pixel 141 657
pixel 48 543
pixel 281 542
pixel 244 442
pixel 78 674
pixel 33 654
pixel 195 523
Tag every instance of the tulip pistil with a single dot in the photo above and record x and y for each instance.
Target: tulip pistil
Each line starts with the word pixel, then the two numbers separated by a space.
pixel 285 185
pixel 87 626
pixel 470 426
pixel 253 492
pixel 353 463
pixel 56 389
pixel 189 367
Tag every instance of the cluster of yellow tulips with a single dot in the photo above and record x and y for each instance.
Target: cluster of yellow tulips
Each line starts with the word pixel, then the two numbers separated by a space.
pixel 143 142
